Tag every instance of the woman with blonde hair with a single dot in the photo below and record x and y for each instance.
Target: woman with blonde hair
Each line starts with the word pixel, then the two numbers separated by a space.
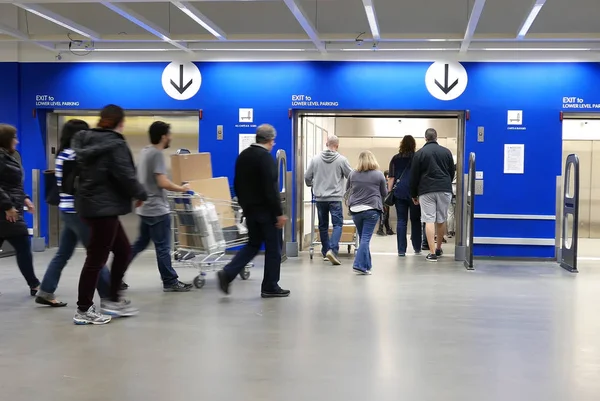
pixel 367 187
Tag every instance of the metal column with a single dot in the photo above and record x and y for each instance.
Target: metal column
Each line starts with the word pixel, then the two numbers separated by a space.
pixel 38 244
pixel 568 254
pixel 283 182
pixel 469 213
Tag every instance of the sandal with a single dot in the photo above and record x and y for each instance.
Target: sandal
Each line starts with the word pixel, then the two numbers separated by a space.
pixel 44 301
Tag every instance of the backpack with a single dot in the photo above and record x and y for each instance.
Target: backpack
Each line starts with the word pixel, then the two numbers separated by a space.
pixel 70 178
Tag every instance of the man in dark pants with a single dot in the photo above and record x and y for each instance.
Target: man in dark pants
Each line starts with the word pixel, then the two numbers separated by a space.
pixel 255 185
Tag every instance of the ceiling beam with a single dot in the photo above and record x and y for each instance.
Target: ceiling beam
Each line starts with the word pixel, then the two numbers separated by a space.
pixel 59 20
pixel 143 23
pixel 200 19
pixel 472 25
pixel 306 24
pixel 533 13
pixel 15 33
pixel 372 18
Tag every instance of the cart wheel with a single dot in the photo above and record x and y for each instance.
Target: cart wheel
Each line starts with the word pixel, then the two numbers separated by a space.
pixel 311 252
pixel 199 281
pixel 245 274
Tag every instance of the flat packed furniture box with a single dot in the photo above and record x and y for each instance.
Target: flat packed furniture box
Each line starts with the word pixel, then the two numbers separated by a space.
pixel 190 167
pixel 348 233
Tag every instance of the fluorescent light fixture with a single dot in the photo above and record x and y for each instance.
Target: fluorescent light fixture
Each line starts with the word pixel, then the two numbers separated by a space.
pixel 533 49
pixel 196 17
pixel 537 7
pixel 54 20
pixel 372 21
pixel 393 50
pixel 121 50
pixel 250 50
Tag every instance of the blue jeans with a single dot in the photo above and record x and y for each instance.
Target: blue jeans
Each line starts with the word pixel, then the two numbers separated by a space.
pixel 261 228
pixel 73 230
pixel 157 229
pixel 403 207
pixel 22 246
pixel 337 219
pixel 365 226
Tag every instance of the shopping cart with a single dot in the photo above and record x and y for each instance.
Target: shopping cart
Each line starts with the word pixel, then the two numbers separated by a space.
pixel 351 242
pixel 203 230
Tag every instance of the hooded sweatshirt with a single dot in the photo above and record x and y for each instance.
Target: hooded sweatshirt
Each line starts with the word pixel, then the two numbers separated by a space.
pixel 326 174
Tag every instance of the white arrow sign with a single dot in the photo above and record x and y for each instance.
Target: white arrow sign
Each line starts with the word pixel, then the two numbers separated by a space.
pixel 446 80
pixel 181 80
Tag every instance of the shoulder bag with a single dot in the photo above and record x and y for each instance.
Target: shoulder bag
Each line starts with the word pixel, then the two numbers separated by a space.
pixel 390 198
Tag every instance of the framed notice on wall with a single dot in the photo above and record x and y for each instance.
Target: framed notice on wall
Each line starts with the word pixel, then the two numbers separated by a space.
pixel 514 159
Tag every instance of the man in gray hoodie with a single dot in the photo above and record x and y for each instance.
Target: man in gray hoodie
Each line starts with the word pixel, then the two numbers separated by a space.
pixel 326 174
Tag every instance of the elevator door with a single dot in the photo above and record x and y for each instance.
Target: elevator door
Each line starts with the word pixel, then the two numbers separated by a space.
pixel 589 189
pixel 185 131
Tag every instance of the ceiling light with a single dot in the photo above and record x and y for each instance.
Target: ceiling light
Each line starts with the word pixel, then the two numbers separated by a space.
pixel 530 18
pixel 122 50
pixel 533 49
pixel 54 20
pixel 251 50
pixel 197 19
pixel 372 21
pixel 393 50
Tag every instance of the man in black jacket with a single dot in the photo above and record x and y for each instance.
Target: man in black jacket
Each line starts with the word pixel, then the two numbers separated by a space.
pixel 431 187
pixel 255 185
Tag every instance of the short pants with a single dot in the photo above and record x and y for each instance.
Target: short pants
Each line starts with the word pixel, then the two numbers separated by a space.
pixel 434 207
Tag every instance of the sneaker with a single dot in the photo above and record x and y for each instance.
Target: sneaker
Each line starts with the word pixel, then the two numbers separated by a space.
pixel 124 286
pixel 122 308
pixel 417 251
pixel 380 232
pixel 279 293
pixel 431 258
pixel 90 317
pixel 439 252
pixel 360 271
pixel 402 254
pixel 390 232
pixel 325 259
pixel 223 281
pixel 178 287
pixel 424 247
pixel 333 258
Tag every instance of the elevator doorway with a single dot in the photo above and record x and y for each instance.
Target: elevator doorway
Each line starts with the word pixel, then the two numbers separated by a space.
pixel 380 132
pixel 581 136
pixel 185 131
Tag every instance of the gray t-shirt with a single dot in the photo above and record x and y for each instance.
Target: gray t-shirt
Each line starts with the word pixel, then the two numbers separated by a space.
pixel 150 163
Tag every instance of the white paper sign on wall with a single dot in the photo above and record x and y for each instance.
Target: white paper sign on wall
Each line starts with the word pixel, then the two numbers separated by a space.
pixel 246 140
pixel 181 80
pixel 446 80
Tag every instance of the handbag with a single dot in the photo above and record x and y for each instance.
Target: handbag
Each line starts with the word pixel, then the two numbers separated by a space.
pixel 390 198
pixel 51 189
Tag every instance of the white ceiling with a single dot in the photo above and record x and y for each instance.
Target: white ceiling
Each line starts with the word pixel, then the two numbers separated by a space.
pixel 304 29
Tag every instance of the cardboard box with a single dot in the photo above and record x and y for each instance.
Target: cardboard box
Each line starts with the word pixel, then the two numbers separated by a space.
pixel 190 167
pixel 348 234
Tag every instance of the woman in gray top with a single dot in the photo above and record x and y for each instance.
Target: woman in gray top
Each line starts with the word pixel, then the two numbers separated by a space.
pixel 367 188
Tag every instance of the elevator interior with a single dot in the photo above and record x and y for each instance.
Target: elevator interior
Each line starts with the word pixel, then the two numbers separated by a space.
pixel 581 136
pixel 381 134
pixel 185 133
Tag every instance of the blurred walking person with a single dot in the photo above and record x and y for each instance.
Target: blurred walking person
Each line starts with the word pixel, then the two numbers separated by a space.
pixel 325 175
pixel 107 184
pixel 255 185
pixel 13 201
pixel 384 222
pixel 367 188
pixel 73 229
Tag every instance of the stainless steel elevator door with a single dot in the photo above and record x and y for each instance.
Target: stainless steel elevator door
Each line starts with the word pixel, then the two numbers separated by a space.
pixel 185 132
pixel 589 183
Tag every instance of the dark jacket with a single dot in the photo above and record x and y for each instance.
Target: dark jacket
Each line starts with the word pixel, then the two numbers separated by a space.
pixel 107 178
pixel 255 182
pixel 432 170
pixel 11 195
pixel 400 170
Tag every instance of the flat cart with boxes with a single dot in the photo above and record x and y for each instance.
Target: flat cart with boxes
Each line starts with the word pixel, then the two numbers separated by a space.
pixel 349 236
pixel 203 230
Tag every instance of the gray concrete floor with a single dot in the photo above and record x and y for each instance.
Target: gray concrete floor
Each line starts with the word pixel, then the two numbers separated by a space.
pixel 412 331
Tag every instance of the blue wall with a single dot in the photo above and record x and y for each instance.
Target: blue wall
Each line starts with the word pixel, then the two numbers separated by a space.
pixel 493 88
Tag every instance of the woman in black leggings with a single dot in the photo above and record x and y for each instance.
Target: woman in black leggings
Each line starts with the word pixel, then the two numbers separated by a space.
pixel 13 200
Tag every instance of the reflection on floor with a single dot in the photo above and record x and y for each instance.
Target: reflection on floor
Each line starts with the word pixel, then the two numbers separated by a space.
pixel 427 331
